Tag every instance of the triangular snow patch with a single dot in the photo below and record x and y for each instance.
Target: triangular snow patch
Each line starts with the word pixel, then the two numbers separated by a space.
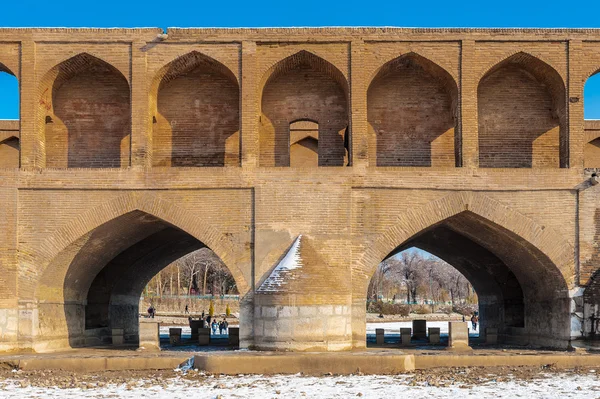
pixel 291 261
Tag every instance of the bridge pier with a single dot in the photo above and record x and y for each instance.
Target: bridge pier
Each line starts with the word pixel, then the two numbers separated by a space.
pixel 293 322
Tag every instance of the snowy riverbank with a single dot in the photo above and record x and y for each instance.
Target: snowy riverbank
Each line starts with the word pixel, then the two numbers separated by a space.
pixel 475 383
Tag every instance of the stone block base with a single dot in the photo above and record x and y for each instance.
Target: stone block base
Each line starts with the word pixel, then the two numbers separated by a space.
pixel 234 336
pixel 300 327
pixel 203 336
pixel 405 336
pixel 434 335
pixel 419 329
pixel 458 335
pixel 150 335
pixel 379 336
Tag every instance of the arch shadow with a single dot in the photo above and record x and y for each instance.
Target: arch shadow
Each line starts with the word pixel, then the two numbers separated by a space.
pixel 412 111
pixel 194 101
pixel 84 114
pixel 522 115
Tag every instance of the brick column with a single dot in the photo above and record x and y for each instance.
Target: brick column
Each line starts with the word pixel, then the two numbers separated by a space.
pixel 575 124
pixel 468 106
pixel 358 106
pixel 249 106
pixel 141 120
pixel 32 138
pixel 9 307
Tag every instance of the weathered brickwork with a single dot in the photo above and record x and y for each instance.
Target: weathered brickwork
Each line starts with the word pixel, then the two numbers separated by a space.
pixel 135 148
pixel 412 111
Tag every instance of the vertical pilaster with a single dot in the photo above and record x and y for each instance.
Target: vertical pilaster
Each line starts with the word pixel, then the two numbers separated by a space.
pixel 32 137
pixel 141 120
pixel 9 306
pixel 575 124
pixel 359 140
pixel 249 106
pixel 468 124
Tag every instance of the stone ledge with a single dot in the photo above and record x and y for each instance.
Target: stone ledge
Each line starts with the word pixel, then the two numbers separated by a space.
pixel 306 363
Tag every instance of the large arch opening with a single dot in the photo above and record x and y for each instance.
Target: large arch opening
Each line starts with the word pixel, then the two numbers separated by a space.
pixel 520 291
pixel 411 109
pixel 522 115
pixel 195 104
pixel 85 114
pixel 416 285
pixel 195 286
pixel 304 87
pixel 95 284
pixel 591 113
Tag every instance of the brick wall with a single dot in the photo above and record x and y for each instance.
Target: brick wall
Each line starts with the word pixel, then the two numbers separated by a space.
pixel 517 128
pixel 411 107
pixel 89 123
pixel 302 89
pixel 197 119
pixel 214 97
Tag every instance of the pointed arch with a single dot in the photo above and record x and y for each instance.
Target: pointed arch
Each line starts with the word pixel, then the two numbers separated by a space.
pixel 10 89
pixel 194 105
pixel 522 114
pixel 524 269
pixel 591 154
pixel 300 58
pixel 550 243
pixel 93 269
pixel 300 87
pixel 59 242
pixel 84 114
pixel 4 68
pixel 412 110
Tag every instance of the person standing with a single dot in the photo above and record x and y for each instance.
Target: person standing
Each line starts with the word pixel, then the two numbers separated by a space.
pixel 186 309
pixel 223 326
pixel 474 320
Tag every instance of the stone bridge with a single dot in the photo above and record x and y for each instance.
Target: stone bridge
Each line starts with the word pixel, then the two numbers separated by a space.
pixel 302 158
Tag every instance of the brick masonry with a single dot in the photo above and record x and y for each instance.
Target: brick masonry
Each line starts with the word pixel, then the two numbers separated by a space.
pixel 135 147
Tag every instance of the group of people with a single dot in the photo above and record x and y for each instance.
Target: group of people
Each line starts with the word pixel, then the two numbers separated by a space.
pixel 212 323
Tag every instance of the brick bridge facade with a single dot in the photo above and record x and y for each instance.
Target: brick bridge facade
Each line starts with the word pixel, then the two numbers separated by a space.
pixel 303 158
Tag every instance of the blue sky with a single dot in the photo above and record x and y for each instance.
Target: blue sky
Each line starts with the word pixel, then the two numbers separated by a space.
pixel 151 13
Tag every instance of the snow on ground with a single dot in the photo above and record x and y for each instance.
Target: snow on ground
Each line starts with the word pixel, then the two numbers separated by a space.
pixel 393 327
pixel 554 386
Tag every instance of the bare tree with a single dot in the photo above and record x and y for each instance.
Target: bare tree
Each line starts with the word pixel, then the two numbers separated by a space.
pixel 204 263
pixel 417 276
pixel 412 266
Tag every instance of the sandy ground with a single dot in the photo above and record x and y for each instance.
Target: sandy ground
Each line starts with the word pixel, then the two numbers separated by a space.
pixel 504 382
